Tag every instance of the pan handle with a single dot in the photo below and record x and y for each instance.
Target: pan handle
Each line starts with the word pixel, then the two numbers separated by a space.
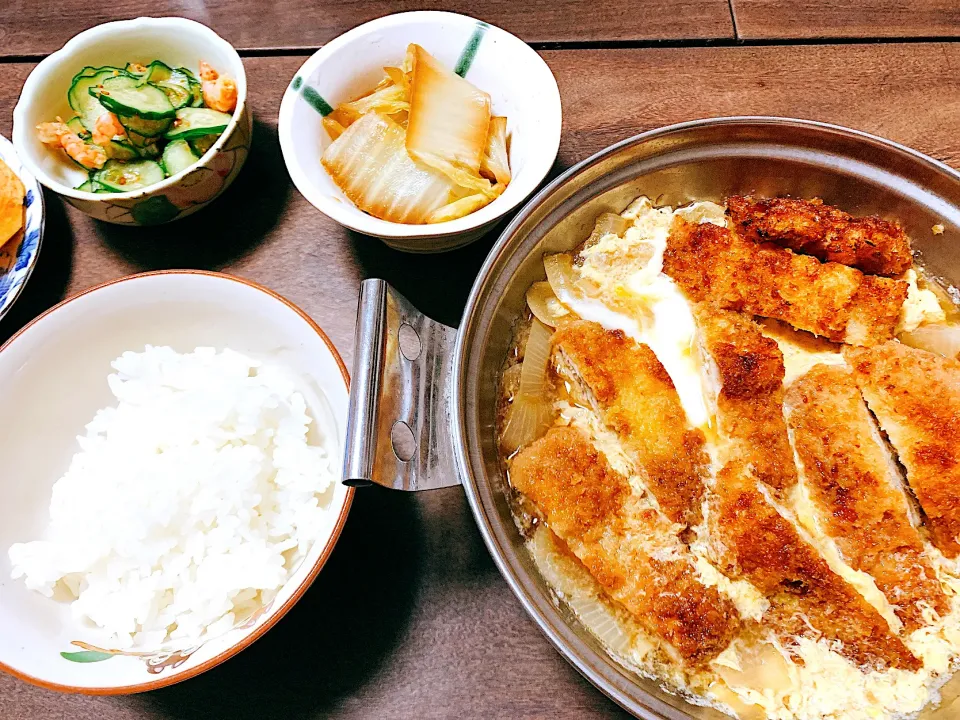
pixel 398 422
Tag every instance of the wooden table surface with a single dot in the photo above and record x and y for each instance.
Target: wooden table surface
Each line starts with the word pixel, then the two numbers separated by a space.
pixel 410 618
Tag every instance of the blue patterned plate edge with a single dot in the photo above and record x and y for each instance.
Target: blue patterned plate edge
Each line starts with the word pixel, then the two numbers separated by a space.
pixel 18 257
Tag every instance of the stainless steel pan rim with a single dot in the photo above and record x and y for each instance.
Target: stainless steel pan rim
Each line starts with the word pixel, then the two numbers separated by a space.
pixel 444 396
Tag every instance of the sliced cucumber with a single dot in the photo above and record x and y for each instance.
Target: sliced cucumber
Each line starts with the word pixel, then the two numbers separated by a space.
pixel 156 72
pixel 196 90
pixel 138 126
pixel 147 147
pixel 203 143
pixel 124 176
pixel 181 88
pixel 134 69
pixel 177 156
pixel 91 185
pixel 175 83
pixel 151 150
pixel 189 73
pixel 76 126
pixel 125 96
pixel 85 104
pixel 120 149
pixel 195 122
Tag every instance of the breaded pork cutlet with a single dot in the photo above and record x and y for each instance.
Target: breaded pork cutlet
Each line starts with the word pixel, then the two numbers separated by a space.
pixel 857 492
pixel 915 396
pixel 627 547
pixel 624 382
pixel 750 537
pixel 746 371
pixel 875 246
pixel 832 300
pixel 752 540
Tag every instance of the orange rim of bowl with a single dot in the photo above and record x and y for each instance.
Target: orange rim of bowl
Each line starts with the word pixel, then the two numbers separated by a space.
pixel 274 617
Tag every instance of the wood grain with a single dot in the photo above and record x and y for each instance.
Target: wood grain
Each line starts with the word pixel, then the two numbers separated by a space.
pixel 31 28
pixel 765 19
pixel 410 618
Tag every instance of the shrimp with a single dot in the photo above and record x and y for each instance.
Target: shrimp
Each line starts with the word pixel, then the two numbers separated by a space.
pixel 106 128
pixel 219 92
pixel 57 134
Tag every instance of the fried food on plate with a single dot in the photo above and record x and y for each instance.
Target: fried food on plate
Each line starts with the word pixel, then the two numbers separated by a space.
pixel 12 193
pixel 875 246
pixel 750 538
pixel 627 547
pixel 746 370
pixel 632 393
pixel 857 493
pixel 840 303
pixel 915 396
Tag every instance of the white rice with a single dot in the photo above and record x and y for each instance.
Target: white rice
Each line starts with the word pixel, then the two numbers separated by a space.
pixel 190 503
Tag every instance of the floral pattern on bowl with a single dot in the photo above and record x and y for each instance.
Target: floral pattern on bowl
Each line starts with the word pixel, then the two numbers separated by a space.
pixel 19 255
pixel 155 661
pixel 204 182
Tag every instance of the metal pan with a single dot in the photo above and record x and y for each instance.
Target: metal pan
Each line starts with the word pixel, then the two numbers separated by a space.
pixel 423 406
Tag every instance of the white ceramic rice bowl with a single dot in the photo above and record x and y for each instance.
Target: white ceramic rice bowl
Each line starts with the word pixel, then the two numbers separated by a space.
pixel 54 374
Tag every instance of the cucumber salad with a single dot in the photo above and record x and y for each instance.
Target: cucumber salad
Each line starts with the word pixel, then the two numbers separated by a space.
pixel 136 125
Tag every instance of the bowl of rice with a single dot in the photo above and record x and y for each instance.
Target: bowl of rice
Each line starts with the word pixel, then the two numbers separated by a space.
pixel 171 478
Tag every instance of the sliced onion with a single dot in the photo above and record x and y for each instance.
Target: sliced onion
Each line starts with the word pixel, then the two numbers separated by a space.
pixel 369 162
pixel 536 359
pixel 762 668
pixel 561 274
pixel 545 306
pixel 527 418
pixel 941 339
pixel 602 622
pixel 531 411
pixel 565 279
pixel 607 223
pixel 495 163
pixel 459 208
pixel 449 122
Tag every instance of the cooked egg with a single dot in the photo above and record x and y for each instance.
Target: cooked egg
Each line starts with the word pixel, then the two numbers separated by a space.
pixel 638 299
pixel 808 679
pixel 920 308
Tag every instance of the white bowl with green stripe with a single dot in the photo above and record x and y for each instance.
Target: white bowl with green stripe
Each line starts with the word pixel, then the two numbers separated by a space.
pixel 519 82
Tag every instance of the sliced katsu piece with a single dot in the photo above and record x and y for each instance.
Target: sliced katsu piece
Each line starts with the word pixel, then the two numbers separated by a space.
pixel 746 370
pixel 750 537
pixel 857 491
pixel 633 395
pixel 915 396
pixel 832 300
pixel 628 547
pixel 753 541
pixel 875 246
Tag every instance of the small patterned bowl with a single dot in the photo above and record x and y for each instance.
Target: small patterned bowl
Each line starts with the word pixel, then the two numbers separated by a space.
pixel 519 82
pixel 41 642
pixel 175 41
pixel 19 254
